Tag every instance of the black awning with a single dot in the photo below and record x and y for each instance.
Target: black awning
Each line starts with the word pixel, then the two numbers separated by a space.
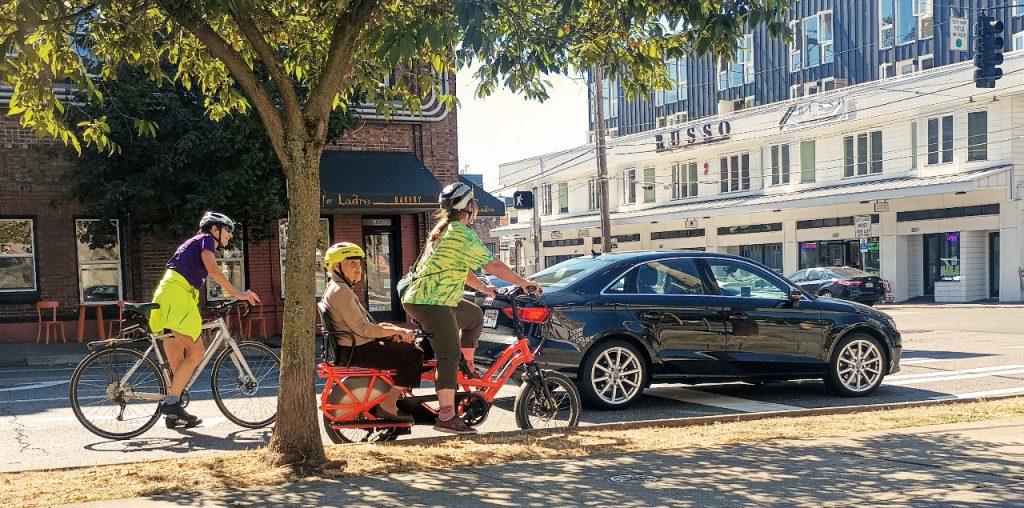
pixel 376 182
pixel 489 205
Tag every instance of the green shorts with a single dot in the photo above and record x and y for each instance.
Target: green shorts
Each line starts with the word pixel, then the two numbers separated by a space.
pixel 179 307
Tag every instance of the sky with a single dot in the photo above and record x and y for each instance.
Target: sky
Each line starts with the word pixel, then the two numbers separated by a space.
pixel 505 127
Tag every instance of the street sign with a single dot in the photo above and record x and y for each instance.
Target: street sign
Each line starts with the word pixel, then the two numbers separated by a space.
pixel 862 225
pixel 863 244
pixel 958 34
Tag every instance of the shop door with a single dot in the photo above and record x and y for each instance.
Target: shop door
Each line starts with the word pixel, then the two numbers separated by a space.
pixel 993 265
pixel 932 262
pixel 382 256
pixel 837 254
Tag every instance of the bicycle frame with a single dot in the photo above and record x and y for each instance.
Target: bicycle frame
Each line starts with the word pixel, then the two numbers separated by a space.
pixel 221 338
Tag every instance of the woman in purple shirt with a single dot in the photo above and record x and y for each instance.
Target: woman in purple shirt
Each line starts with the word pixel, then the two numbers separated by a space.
pixel 178 296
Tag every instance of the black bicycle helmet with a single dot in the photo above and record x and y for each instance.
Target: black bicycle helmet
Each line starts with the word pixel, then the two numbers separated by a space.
pixel 456 196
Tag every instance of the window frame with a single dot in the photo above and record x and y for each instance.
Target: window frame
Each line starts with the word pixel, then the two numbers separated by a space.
pixel 813 161
pixel 629 186
pixel 733 176
pixel 682 185
pixel 80 263
pixel 593 194
pixel 650 179
pixel 1017 40
pixel 223 258
pixel 282 249
pixel 883 41
pixel 781 163
pixel 546 199
pixel 806 45
pixel 974 146
pixel 563 197
pixel 863 152
pixel 33 255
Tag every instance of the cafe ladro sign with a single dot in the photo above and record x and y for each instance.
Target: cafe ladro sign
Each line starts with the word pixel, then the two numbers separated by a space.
pixel 692 136
pixel 341 200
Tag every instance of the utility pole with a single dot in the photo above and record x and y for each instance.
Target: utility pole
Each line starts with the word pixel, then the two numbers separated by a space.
pixel 602 161
pixel 537 203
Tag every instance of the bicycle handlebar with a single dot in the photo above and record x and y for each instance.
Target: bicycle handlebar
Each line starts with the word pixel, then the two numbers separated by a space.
pixel 223 307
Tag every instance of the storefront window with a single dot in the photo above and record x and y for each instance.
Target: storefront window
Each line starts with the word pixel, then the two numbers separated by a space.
pixel 99 261
pixel 17 255
pixel 841 253
pixel 768 254
pixel 322 242
pixel 231 261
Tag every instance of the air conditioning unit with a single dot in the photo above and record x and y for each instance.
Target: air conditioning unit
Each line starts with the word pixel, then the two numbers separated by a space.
pixel 612 133
pixel 662 122
pixel 811 88
pixel 726 106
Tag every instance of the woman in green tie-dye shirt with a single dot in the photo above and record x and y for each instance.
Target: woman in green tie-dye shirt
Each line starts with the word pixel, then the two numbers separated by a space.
pixel 434 297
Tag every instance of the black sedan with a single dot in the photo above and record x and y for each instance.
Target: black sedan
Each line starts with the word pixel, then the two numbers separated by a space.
pixel 841 282
pixel 619 322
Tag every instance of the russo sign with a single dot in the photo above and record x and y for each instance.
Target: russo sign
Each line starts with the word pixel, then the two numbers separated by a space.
pixel 694 135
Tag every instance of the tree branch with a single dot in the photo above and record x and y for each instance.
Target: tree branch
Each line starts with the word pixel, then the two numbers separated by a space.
pixel 336 69
pixel 292 110
pixel 238 68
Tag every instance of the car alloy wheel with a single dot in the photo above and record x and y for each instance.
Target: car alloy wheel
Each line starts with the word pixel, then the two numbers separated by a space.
pixel 826 294
pixel 615 375
pixel 858 366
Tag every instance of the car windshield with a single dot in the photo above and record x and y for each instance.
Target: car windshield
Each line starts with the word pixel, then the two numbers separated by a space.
pixel 567 272
pixel 849 272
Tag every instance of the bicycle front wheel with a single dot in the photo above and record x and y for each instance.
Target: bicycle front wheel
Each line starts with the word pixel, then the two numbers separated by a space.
pixel 111 403
pixel 535 410
pixel 248 401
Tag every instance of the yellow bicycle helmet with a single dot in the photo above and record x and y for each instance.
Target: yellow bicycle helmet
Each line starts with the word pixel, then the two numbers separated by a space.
pixel 340 252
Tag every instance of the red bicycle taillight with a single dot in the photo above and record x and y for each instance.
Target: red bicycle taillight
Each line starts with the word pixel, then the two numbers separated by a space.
pixel 529 314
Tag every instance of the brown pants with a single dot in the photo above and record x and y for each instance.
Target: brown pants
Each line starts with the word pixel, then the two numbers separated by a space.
pixel 452 328
pixel 407 359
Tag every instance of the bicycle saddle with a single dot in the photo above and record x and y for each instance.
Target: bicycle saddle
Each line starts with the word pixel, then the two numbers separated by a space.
pixel 141 308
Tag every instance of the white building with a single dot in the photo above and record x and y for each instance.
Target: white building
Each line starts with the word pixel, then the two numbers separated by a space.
pixel 935 164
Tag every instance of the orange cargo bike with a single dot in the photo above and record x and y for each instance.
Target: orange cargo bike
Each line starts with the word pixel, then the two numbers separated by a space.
pixel 545 399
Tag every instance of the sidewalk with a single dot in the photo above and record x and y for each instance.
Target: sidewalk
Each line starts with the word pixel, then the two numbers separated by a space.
pixel 22 354
pixel 958 464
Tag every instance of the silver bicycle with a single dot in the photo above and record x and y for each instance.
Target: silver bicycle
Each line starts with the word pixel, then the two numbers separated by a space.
pixel 115 391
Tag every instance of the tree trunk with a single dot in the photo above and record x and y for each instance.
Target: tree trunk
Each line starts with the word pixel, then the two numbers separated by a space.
pixel 296 438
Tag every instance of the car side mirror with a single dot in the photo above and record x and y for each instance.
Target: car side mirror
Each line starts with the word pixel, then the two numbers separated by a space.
pixel 795 295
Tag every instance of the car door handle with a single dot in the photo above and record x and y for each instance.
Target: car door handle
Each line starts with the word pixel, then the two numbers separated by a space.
pixel 738 316
pixel 652 316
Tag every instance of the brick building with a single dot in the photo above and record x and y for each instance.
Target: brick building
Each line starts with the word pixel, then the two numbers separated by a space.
pixel 378 183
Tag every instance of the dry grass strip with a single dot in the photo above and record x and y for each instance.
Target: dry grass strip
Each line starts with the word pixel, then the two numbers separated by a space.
pixel 251 468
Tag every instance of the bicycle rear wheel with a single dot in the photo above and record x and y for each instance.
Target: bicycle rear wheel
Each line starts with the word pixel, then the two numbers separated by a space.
pixel 249 402
pixel 535 411
pixel 106 402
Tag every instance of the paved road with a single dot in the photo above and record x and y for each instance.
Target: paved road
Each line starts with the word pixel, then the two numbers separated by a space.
pixel 947 353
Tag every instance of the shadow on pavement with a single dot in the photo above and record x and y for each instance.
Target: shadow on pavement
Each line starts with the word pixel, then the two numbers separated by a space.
pixel 928 469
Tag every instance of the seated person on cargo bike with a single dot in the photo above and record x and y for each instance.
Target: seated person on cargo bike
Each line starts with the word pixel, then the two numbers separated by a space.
pixel 369 344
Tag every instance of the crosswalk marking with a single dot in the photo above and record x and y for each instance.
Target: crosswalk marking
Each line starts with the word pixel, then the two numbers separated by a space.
pixel 953 375
pixel 986 393
pixel 917 361
pixel 716 400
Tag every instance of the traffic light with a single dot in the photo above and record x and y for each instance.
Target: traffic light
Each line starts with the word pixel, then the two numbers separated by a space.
pixel 522 200
pixel 988 46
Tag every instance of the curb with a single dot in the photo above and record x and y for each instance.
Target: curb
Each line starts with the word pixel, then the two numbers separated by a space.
pixel 52 361
pixel 709 420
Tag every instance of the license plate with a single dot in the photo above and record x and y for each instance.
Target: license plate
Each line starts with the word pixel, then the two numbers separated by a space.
pixel 869 284
pixel 491 318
